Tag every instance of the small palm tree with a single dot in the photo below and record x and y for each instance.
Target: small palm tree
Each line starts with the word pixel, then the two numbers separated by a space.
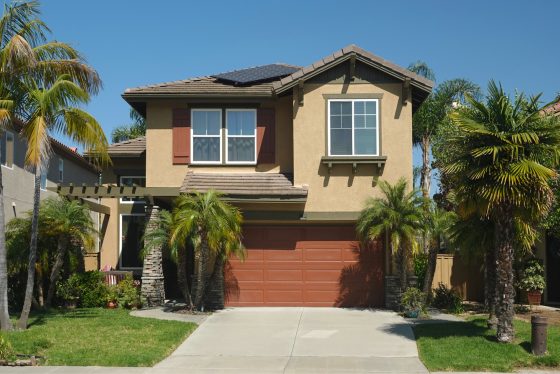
pixel 52 109
pixel 69 222
pixel 131 131
pixel 505 152
pixel 212 225
pixel 439 223
pixel 160 238
pixel 399 216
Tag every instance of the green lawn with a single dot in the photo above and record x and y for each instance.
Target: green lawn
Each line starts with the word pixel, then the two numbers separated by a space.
pixel 470 346
pixel 99 337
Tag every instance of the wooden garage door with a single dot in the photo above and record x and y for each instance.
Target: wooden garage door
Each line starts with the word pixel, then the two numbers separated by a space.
pixel 305 265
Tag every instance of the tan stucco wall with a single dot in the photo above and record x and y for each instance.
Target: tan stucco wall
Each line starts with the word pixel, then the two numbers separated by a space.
pixel 160 171
pixel 341 191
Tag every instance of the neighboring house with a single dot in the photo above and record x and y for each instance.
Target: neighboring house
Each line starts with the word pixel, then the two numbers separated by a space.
pixel 298 150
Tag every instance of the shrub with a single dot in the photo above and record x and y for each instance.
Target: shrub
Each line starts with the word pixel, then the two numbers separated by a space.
pixel 127 294
pixel 532 277
pixel 6 350
pixel 447 299
pixel 420 263
pixel 413 300
pixel 88 289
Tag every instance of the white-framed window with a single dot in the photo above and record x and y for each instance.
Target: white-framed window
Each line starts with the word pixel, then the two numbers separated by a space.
pixel 44 180
pixel 131 232
pixel 241 136
pixel 7 148
pixel 206 136
pixel 60 170
pixel 353 127
pixel 130 181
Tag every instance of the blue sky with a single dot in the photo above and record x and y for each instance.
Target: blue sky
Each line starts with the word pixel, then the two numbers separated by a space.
pixel 138 42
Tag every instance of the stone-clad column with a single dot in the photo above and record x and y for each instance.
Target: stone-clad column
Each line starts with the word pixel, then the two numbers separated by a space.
pixel 152 274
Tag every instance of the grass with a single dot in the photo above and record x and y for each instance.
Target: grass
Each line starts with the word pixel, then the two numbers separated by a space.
pixel 100 337
pixel 470 346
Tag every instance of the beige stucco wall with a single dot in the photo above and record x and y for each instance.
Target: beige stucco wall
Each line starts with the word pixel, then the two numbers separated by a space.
pixel 341 190
pixel 160 171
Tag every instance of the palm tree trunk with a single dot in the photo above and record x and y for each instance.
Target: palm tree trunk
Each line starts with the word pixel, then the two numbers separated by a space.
pixel 5 323
pixel 490 288
pixel 425 173
pixel 430 269
pixel 201 274
pixel 403 268
pixel 182 276
pixel 24 317
pixel 39 285
pixel 216 285
pixel 505 292
pixel 57 266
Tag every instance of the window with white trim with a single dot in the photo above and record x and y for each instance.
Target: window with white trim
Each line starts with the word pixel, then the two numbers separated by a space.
pixel 131 233
pixel 206 136
pixel 44 180
pixel 60 170
pixel 7 148
pixel 241 136
pixel 130 181
pixel 353 127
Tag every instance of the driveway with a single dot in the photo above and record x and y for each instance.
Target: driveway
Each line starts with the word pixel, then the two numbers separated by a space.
pixel 298 340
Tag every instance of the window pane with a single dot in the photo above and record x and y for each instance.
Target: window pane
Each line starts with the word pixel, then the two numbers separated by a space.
pixel 131 181
pixel 206 122
pixel 370 107
pixel 359 107
pixel 335 107
pixel 44 180
pixel 241 122
pixel 336 122
pixel 241 149
pixel 346 122
pixel 359 121
pixel 341 141
pixel 365 142
pixel 370 122
pixel 132 231
pixel 206 149
pixel 249 122
pixel 346 107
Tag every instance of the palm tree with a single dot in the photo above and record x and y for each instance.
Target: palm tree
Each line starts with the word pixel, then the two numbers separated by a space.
pixel 70 222
pixel 131 131
pixel 212 225
pixel 160 238
pixel 24 52
pixel 505 152
pixel 397 215
pixel 51 109
pixel 439 224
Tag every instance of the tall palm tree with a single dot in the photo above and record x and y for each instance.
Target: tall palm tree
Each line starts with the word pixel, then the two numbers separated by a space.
pixel 505 153
pixel 131 131
pixel 399 216
pixel 211 224
pixel 439 223
pixel 48 110
pixel 71 223
pixel 25 52
pixel 160 238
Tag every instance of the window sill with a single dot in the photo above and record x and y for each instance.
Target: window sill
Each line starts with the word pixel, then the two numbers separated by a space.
pixel 378 161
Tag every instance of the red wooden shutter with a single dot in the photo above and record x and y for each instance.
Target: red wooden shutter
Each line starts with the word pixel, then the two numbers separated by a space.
pixel 181 136
pixel 266 136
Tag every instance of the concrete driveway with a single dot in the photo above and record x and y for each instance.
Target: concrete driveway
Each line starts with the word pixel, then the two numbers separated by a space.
pixel 298 340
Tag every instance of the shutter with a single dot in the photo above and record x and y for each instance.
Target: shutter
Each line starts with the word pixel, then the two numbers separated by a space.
pixel 181 136
pixel 266 136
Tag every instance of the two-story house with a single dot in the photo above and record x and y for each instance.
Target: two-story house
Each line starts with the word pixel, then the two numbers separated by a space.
pixel 298 150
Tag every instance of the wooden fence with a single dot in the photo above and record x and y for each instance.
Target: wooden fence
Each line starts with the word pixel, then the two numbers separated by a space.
pixel 465 277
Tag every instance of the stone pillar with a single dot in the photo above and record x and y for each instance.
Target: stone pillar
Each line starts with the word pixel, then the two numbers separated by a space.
pixel 393 290
pixel 153 290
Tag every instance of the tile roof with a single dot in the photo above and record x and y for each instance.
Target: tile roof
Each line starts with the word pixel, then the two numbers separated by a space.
pixel 243 184
pixel 128 148
pixel 554 108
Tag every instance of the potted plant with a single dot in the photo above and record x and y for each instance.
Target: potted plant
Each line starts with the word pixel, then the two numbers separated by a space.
pixel 112 296
pixel 532 281
pixel 412 302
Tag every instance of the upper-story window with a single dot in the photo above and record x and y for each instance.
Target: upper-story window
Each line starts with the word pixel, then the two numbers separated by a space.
pixel 206 136
pixel 129 181
pixel 241 136
pixel 60 170
pixel 353 127
pixel 7 148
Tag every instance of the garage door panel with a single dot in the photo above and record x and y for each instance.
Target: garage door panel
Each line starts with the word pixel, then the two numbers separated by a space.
pixel 305 265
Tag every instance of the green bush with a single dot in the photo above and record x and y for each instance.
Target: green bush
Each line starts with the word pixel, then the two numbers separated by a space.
pixel 87 289
pixel 126 294
pixel 413 300
pixel 532 277
pixel 420 264
pixel 447 299
pixel 6 350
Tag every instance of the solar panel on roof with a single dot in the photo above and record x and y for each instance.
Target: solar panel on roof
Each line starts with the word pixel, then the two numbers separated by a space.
pixel 257 74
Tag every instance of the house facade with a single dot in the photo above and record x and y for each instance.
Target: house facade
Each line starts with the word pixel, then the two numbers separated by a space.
pixel 298 150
